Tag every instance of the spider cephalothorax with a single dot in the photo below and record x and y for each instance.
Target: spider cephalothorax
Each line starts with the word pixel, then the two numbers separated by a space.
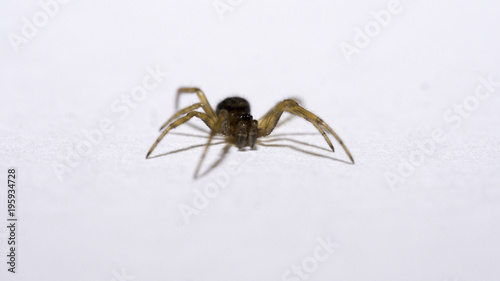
pixel 232 119
pixel 239 125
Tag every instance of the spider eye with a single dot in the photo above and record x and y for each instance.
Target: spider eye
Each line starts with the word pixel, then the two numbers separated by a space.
pixel 246 116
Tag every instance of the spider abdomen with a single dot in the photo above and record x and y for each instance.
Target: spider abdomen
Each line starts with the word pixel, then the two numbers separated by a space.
pixel 234 105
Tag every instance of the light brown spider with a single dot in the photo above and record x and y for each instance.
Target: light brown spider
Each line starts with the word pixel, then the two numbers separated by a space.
pixel 232 119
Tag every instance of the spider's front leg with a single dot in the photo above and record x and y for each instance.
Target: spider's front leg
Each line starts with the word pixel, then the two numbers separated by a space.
pixel 209 122
pixel 181 112
pixel 215 129
pixel 269 121
pixel 203 100
pixel 246 133
pixel 203 104
pixel 253 133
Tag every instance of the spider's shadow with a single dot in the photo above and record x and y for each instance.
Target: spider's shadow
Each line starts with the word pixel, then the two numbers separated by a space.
pixel 267 142
pixel 225 150
pixel 184 149
pixel 296 148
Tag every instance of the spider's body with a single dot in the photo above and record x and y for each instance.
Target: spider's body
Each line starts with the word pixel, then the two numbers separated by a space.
pixel 239 125
pixel 233 120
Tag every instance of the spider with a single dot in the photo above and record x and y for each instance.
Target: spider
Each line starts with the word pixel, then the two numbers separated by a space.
pixel 232 119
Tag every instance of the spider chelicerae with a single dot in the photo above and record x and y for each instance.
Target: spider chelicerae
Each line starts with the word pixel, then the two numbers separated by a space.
pixel 232 119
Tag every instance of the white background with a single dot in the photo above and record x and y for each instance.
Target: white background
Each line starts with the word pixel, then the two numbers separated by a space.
pixel 115 212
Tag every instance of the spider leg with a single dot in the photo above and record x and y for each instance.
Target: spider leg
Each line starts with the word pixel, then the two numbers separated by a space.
pixel 181 112
pixel 204 102
pixel 302 111
pixel 209 122
pixel 225 150
pixel 289 117
pixel 269 121
pixel 252 134
pixel 214 130
pixel 320 129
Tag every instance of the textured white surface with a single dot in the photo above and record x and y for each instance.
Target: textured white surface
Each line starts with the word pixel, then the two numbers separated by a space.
pixel 117 211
